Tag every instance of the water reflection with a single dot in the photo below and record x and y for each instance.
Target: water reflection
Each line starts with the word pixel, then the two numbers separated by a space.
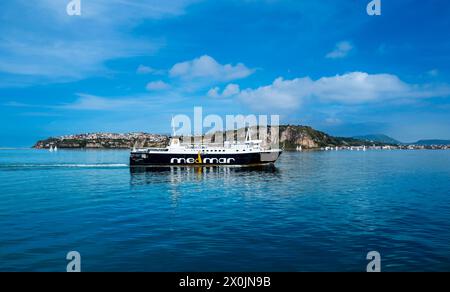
pixel 176 175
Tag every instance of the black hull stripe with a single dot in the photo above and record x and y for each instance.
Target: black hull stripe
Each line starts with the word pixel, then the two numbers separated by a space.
pixel 170 159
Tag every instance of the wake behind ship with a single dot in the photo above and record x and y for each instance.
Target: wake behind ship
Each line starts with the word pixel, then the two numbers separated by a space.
pixel 248 153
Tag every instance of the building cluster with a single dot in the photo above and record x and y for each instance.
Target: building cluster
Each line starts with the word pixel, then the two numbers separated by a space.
pixel 425 147
pixel 115 136
pixel 387 147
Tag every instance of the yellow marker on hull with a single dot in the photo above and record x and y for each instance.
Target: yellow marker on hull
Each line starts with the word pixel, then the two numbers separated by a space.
pixel 199 159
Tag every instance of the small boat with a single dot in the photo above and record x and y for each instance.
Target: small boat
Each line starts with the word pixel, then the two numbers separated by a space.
pixel 51 148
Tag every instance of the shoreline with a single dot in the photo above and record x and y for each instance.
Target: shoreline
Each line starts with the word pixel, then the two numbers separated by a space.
pixel 330 149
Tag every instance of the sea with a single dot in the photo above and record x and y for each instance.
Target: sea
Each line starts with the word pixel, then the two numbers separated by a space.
pixel 312 211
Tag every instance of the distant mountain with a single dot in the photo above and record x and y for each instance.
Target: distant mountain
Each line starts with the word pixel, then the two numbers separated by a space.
pixel 431 142
pixel 381 138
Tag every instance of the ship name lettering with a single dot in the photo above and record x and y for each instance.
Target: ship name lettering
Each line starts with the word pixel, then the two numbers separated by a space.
pixel 205 160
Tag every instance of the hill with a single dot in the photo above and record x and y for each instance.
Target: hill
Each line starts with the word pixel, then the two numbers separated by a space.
pixel 291 136
pixel 431 142
pixel 381 138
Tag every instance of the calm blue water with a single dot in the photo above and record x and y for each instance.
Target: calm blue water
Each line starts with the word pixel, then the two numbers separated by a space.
pixel 318 211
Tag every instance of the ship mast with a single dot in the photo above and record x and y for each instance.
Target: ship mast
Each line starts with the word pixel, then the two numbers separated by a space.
pixel 174 132
pixel 249 135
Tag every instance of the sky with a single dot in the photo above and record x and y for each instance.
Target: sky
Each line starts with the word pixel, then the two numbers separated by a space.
pixel 130 65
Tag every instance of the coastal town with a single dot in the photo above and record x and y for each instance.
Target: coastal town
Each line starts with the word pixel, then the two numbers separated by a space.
pixel 103 141
pixel 293 138
pixel 387 147
pixel 115 136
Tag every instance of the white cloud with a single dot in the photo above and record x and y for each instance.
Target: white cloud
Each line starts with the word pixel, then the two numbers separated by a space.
pixel 352 88
pixel 130 11
pixel 88 102
pixel 40 42
pixel 206 67
pixel 229 91
pixel 281 94
pixel 134 103
pixel 142 69
pixel 60 59
pixel 157 85
pixel 341 50
pixel 214 92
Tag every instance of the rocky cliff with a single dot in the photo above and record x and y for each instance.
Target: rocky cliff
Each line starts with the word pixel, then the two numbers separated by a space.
pixel 308 138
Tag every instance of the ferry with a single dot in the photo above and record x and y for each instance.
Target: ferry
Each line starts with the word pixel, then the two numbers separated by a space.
pixel 230 153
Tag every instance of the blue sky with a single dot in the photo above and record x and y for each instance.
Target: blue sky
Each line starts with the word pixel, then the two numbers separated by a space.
pixel 128 65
